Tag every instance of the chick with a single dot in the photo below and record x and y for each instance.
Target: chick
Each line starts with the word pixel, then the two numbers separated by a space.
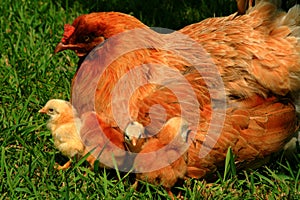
pixel 135 136
pixel 292 146
pixel 64 125
pixel 163 158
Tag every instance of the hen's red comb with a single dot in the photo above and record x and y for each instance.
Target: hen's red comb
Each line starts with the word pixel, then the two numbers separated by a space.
pixel 68 31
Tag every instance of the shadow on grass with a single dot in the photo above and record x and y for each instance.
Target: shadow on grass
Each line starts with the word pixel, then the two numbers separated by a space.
pixel 173 14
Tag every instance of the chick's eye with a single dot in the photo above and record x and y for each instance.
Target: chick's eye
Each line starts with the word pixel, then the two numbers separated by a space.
pixel 127 137
pixel 86 38
pixel 51 110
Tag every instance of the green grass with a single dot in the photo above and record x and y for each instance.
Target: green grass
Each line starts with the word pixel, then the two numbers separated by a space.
pixel 30 75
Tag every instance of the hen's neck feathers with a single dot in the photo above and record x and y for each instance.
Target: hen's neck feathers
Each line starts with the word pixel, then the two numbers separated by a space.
pixel 107 23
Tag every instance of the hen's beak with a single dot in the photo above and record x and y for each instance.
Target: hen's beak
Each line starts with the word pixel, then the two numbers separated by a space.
pixel 61 47
pixel 43 110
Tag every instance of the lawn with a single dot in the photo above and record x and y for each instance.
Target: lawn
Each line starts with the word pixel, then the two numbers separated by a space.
pixel 31 74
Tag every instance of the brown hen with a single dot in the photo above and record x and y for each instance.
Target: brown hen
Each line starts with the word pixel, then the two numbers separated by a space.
pixel 256 54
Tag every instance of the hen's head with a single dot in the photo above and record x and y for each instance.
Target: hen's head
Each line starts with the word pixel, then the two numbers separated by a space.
pixel 89 30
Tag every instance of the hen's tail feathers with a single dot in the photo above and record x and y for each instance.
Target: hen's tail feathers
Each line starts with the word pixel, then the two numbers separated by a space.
pixel 284 29
pixel 270 9
pixel 292 20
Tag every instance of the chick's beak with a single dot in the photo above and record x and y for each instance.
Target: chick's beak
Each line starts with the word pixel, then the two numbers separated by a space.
pixel 43 110
pixel 134 141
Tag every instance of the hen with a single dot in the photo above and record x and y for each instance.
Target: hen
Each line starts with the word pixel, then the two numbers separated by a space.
pixel 64 125
pixel 256 54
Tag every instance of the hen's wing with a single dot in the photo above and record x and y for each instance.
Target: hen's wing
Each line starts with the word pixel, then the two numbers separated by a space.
pixel 255 53
pixel 102 140
pixel 252 132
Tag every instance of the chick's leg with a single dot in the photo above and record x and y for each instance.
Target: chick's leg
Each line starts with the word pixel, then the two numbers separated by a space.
pixel 65 166
pixel 170 193
pixel 135 185
pixel 91 160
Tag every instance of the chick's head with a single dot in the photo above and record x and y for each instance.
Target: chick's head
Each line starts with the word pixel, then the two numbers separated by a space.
pixel 58 109
pixel 133 132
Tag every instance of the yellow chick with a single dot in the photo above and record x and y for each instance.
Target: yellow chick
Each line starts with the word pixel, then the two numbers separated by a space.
pixel 64 125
